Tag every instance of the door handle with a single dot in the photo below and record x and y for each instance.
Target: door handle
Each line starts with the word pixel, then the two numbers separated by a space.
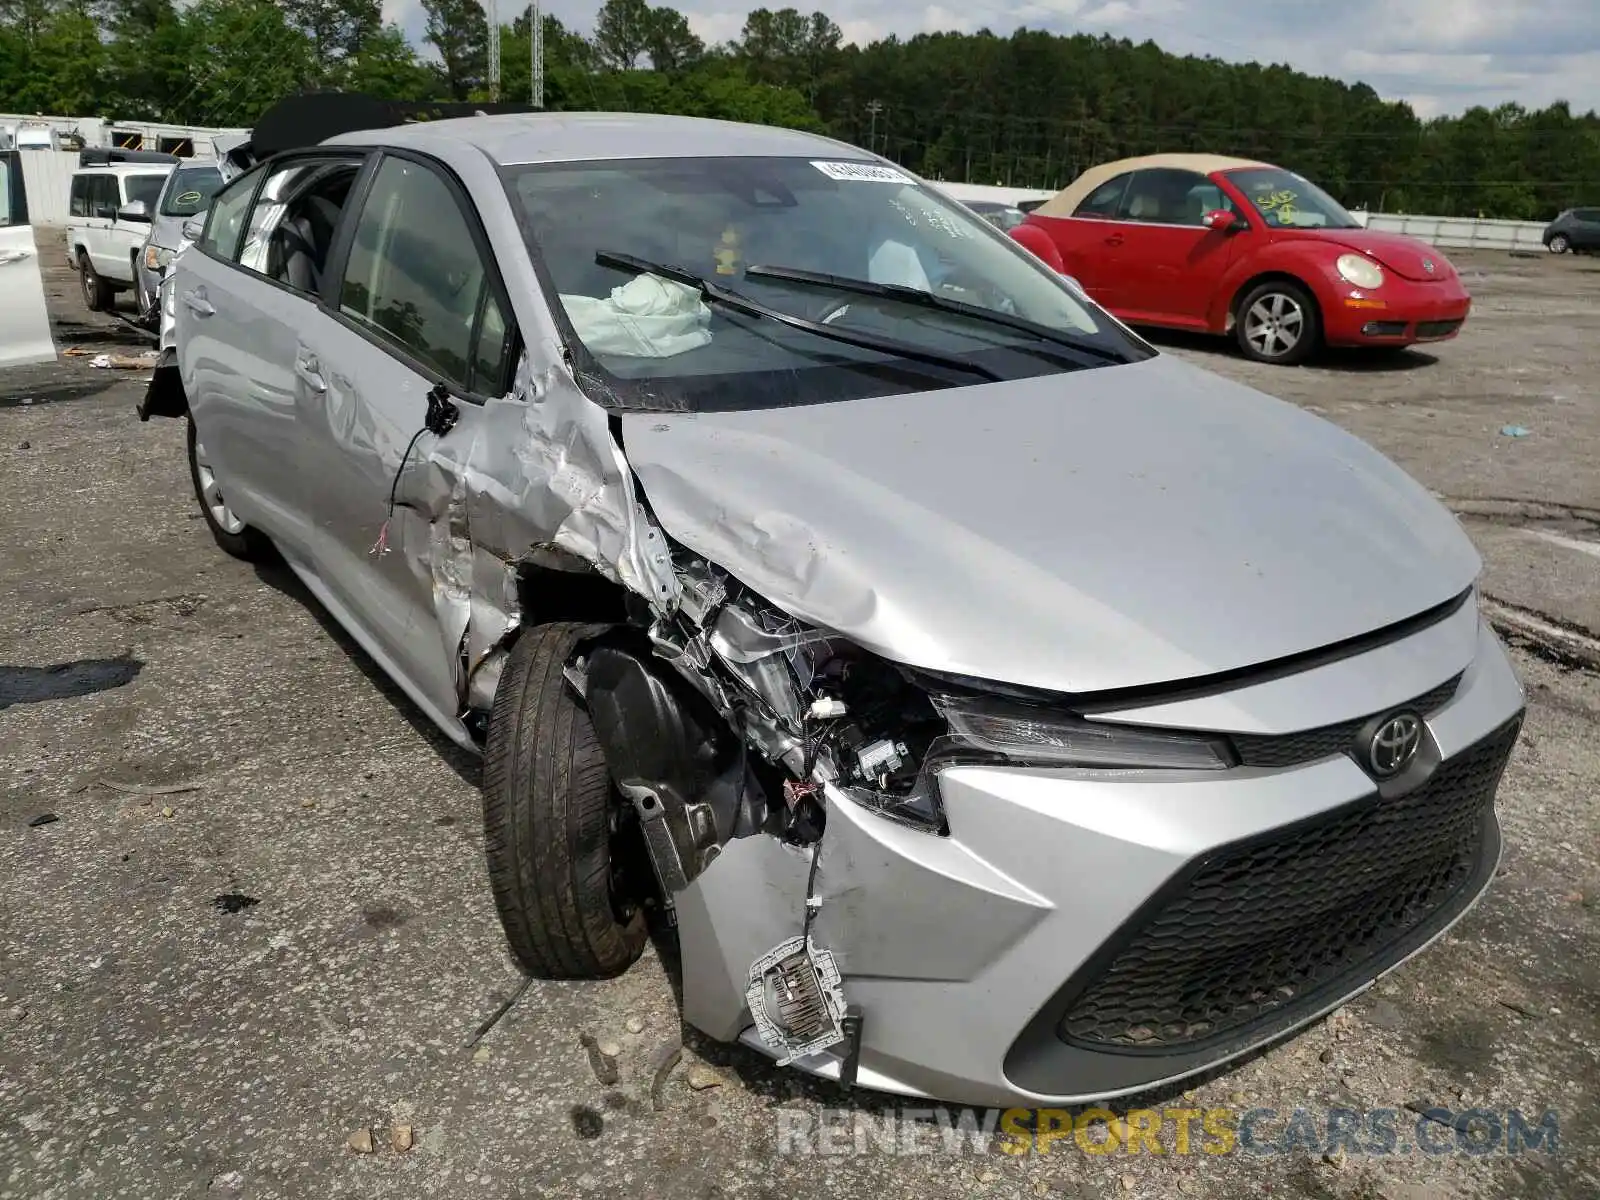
pixel 309 371
pixel 195 301
pixel 1114 240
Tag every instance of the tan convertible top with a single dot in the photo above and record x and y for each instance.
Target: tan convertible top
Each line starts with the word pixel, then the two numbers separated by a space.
pixel 1065 202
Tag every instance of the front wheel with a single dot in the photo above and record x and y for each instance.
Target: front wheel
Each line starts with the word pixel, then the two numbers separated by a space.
pixel 1278 323
pixel 1559 244
pixel 552 819
pixel 232 534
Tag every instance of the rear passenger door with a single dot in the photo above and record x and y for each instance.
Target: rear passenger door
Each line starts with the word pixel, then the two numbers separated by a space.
pixel 415 301
pixel 244 295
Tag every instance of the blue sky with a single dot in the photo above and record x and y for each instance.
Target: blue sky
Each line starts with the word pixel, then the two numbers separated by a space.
pixel 1441 55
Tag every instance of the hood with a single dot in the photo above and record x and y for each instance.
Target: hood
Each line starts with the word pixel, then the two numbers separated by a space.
pixel 1106 528
pixel 1403 255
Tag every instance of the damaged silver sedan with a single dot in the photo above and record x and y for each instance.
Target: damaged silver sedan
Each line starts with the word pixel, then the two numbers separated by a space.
pixel 999 710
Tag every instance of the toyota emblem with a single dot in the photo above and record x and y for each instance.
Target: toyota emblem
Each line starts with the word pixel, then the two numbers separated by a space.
pixel 1394 745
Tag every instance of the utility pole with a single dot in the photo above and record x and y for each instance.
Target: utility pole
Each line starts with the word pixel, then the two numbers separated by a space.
pixel 536 29
pixel 494 50
pixel 874 108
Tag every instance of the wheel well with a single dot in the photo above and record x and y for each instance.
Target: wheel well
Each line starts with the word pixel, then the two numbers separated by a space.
pixel 569 593
pixel 1255 281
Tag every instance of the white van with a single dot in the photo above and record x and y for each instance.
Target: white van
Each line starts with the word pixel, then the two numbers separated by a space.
pixel 110 206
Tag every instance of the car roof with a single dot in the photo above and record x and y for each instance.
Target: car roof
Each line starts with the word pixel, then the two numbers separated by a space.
pixel 512 139
pixel 126 169
pixel 1065 202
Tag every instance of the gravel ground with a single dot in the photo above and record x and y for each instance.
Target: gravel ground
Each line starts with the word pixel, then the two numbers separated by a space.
pixel 155 1043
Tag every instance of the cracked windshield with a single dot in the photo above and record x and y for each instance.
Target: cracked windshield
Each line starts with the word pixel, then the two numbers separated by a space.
pixel 760 282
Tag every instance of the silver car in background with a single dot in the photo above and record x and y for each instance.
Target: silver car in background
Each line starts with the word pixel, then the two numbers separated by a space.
pixel 1000 710
pixel 186 193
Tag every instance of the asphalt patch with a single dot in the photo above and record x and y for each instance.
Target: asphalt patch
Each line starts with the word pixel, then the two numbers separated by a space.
pixel 62 681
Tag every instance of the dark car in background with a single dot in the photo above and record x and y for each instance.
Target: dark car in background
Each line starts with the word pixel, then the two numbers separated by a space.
pixel 1576 229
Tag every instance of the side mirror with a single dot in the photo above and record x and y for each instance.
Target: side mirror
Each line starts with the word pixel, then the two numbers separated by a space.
pixel 134 210
pixel 193 228
pixel 1221 220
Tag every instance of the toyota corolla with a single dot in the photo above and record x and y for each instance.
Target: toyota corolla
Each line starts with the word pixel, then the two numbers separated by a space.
pixel 999 710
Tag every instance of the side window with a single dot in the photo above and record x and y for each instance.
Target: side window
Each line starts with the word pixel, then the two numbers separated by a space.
pixel 416 277
pixel 1590 216
pixel 1165 196
pixel 105 196
pixel 293 220
pixel 1105 201
pixel 79 205
pixel 225 220
pixel 1210 198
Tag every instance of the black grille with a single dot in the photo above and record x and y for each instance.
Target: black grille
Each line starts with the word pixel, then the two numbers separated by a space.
pixel 1260 927
pixel 1291 749
pixel 1434 329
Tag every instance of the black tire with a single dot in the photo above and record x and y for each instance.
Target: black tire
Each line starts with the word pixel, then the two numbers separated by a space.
pixel 1559 244
pixel 548 819
pixel 245 543
pixel 1284 296
pixel 97 294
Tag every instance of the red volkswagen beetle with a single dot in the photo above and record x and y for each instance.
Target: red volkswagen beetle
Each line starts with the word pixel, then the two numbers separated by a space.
pixel 1226 245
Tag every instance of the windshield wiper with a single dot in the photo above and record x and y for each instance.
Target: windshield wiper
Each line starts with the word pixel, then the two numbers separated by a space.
pixel 911 295
pixel 717 294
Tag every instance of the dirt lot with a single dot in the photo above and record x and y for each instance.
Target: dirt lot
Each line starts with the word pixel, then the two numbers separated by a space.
pixel 153 1044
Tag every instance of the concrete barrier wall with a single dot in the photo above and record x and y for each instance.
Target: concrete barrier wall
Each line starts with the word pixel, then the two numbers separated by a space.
pixel 48 176
pixel 1461 233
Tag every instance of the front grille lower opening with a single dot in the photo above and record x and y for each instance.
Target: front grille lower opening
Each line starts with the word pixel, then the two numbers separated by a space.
pixel 1261 928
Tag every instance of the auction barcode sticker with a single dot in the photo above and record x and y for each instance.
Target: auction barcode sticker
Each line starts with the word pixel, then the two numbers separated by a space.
pixel 861 172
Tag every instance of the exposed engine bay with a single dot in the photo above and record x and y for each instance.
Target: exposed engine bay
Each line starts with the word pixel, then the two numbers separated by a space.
pixel 725 721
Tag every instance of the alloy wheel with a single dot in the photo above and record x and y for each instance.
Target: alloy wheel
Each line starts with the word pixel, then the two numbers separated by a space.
pixel 211 494
pixel 1275 324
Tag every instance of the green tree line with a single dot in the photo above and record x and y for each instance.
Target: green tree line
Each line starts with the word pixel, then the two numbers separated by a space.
pixel 1028 110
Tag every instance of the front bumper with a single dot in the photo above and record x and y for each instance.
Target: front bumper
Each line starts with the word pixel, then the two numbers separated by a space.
pixel 1058 946
pixel 1401 313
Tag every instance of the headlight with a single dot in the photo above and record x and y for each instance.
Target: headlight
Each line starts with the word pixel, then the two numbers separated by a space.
pixel 156 258
pixel 1359 270
pixel 1040 736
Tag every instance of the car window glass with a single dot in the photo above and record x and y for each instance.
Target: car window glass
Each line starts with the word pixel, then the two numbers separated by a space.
pixel 190 191
pixel 1210 198
pixel 1588 214
pixel 105 196
pixel 1165 196
pixel 225 220
pixel 1105 200
pixel 1285 200
pixel 293 221
pixel 909 267
pixel 492 348
pixel 80 196
pixel 143 187
pixel 5 191
pixel 414 271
